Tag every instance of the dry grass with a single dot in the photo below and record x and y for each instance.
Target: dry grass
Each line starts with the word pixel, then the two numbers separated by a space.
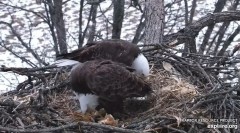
pixel 171 94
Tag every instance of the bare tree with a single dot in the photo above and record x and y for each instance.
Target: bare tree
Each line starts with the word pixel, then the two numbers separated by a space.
pixel 92 28
pixel 218 8
pixel 80 21
pixel 154 28
pixel 138 35
pixel 190 46
pixel 118 15
pixel 56 14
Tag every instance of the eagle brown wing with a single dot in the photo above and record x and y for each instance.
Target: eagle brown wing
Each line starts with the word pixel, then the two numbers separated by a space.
pixel 115 50
pixel 113 80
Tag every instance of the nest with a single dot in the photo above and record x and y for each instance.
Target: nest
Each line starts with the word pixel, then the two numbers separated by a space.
pixel 175 106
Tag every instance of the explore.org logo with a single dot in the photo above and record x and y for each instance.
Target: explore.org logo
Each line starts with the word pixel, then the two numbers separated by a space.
pixel 215 123
pixel 222 126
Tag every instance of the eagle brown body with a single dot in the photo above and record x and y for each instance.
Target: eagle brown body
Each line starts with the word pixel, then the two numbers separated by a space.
pixel 106 73
pixel 111 81
pixel 122 51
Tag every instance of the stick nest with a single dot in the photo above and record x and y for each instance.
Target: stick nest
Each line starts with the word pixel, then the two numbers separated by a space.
pixel 180 103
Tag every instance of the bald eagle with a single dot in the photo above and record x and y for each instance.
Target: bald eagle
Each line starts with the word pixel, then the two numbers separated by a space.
pixel 116 50
pixel 107 72
pixel 106 81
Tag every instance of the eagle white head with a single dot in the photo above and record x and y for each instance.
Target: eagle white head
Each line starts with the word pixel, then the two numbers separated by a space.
pixel 141 65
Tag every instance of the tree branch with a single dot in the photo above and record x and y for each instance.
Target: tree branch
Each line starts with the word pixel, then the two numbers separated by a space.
pixel 14 32
pixel 193 29
pixel 82 125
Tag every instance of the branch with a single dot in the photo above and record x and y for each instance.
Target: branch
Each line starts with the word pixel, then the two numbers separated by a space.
pixel 193 9
pixel 15 54
pixel 80 35
pixel 218 8
pixel 193 29
pixel 139 30
pixel 25 71
pixel 5 69
pixel 14 32
pixel 228 41
pixel 39 14
pixel 50 24
pixel 87 125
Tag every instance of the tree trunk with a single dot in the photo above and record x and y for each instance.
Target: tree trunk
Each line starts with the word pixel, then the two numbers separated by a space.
pixel 59 25
pixel 118 15
pixel 80 21
pixel 190 45
pixel 154 28
pixel 92 28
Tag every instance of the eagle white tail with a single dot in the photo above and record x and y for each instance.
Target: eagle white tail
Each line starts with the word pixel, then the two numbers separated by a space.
pixel 65 62
pixel 87 102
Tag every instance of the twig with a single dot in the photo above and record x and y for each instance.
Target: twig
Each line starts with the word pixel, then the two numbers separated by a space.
pixel 205 74
pixel 24 71
pixel 174 129
pixel 206 101
pixel 23 43
pixel 71 125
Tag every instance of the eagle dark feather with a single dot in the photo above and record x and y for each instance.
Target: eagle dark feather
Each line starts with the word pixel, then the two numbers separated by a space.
pixel 109 71
pixel 115 50
pixel 109 80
